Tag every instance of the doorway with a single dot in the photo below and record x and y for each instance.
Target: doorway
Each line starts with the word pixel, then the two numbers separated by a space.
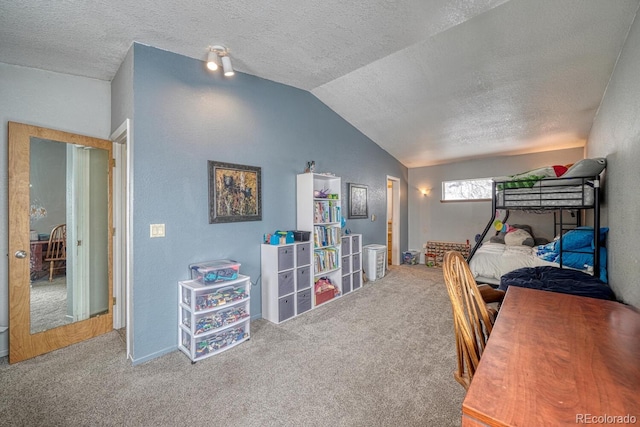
pixel 73 191
pixel 121 244
pixel 393 221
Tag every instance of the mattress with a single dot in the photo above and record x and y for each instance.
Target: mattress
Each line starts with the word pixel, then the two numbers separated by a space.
pixel 493 260
pixel 546 197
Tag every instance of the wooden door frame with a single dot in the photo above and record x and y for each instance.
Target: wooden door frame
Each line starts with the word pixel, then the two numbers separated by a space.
pixel 22 344
pixel 122 261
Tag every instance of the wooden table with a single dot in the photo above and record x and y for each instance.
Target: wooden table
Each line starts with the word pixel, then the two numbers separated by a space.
pixel 38 251
pixel 555 359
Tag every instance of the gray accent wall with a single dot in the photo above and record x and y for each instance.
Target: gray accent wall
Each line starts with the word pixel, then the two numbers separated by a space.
pixel 186 115
pixel 616 135
pixel 53 100
pixel 432 220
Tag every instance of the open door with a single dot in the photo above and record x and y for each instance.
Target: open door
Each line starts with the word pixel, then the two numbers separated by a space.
pixel 393 220
pixel 35 168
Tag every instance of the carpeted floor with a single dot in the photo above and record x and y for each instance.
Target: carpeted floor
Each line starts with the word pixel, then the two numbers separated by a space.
pixel 48 303
pixel 381 356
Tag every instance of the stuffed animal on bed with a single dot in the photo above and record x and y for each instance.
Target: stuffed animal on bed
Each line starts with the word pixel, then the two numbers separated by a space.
pixel 520 234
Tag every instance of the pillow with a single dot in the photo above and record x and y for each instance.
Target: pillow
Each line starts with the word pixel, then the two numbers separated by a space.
pixel 586 168
pixel 518 237
pixel 499 237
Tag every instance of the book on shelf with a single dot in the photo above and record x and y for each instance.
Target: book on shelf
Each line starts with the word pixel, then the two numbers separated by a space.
pixel 326 235
pixel 326 211
pixel 326 259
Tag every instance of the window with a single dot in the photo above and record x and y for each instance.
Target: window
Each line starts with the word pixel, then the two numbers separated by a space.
pixel 466 189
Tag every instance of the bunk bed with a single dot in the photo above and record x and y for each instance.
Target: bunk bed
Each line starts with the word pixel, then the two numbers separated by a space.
pixel 576 190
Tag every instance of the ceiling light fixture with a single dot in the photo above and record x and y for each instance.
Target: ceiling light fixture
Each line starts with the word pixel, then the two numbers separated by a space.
pixel 223 53
pixel 211 60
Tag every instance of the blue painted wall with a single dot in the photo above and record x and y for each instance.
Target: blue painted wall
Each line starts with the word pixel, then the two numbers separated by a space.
pixel 184 116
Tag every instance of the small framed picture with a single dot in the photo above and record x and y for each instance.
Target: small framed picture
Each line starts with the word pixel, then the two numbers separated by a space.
pixel 358 201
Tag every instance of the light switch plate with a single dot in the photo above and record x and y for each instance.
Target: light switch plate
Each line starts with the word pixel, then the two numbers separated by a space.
pixel 156 230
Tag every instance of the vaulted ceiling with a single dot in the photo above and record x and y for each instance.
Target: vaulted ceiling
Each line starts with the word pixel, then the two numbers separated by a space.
pixel 430 81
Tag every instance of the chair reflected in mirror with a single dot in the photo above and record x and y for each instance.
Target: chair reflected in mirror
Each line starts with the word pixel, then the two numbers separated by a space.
pixel 56 254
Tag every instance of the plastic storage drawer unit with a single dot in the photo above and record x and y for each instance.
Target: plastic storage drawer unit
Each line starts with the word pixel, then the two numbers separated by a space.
pixel 213 318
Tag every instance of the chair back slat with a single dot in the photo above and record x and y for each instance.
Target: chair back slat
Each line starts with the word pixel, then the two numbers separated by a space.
pixel 471 319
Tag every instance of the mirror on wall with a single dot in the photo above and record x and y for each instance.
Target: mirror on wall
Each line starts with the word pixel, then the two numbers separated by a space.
pixel 68 221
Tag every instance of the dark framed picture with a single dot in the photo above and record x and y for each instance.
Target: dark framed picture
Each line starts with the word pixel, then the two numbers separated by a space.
pixel 358 201
pixel 235 193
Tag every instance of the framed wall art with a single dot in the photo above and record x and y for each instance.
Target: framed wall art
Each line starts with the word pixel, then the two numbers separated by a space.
pixel 358 201
pixel 235 193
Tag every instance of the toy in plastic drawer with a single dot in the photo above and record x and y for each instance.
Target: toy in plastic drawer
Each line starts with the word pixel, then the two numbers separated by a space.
pixel 215 271
pixel 214 343
pixel 215 298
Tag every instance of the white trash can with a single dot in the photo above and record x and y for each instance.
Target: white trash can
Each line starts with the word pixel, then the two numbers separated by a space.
pixel 374 261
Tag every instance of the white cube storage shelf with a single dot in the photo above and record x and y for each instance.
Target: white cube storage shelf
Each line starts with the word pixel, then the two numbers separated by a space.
pixel 213 318
pixel 287 279
pixel 351 249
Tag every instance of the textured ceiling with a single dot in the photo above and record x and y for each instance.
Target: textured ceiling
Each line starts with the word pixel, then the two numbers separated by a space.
pixel 430 81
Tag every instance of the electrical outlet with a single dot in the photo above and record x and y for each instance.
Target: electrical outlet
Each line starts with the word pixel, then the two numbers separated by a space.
pixel 156 230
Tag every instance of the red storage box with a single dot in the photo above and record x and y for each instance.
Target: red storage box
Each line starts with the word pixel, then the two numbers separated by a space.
pixel 324 296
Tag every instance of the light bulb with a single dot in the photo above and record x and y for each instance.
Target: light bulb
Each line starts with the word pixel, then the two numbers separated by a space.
pixel 211 61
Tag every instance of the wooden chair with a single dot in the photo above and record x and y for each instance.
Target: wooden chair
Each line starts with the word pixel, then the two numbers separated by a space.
pixel 472 320
pixel 56 254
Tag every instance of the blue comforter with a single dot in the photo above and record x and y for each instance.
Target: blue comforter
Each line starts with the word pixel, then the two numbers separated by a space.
pixel 577 250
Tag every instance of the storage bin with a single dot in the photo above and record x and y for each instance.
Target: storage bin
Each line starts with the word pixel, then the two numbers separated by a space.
pixel 286 309
pixel 217 342
pixel 346 284
pixel 207 298
pixel 374 261
pixel 346 265
pixel 301 236
pixel 324 296
pixel 304 301
pixel 209 321
pixel 286 257
pixel 304 277
pixel 303 254
pixel 285 283
pixel 215 271
pixel 356 278
pixel 411 257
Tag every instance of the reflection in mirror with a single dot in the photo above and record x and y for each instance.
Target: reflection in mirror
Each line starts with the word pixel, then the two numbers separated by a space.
pixel 68 233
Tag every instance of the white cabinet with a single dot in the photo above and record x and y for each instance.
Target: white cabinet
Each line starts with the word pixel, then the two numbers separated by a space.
pixel 287 278
pixel 351 249
pixel 319 211
pixel 213 317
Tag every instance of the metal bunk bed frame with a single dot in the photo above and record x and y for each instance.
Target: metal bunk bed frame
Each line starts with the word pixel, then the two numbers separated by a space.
pixel 593 182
